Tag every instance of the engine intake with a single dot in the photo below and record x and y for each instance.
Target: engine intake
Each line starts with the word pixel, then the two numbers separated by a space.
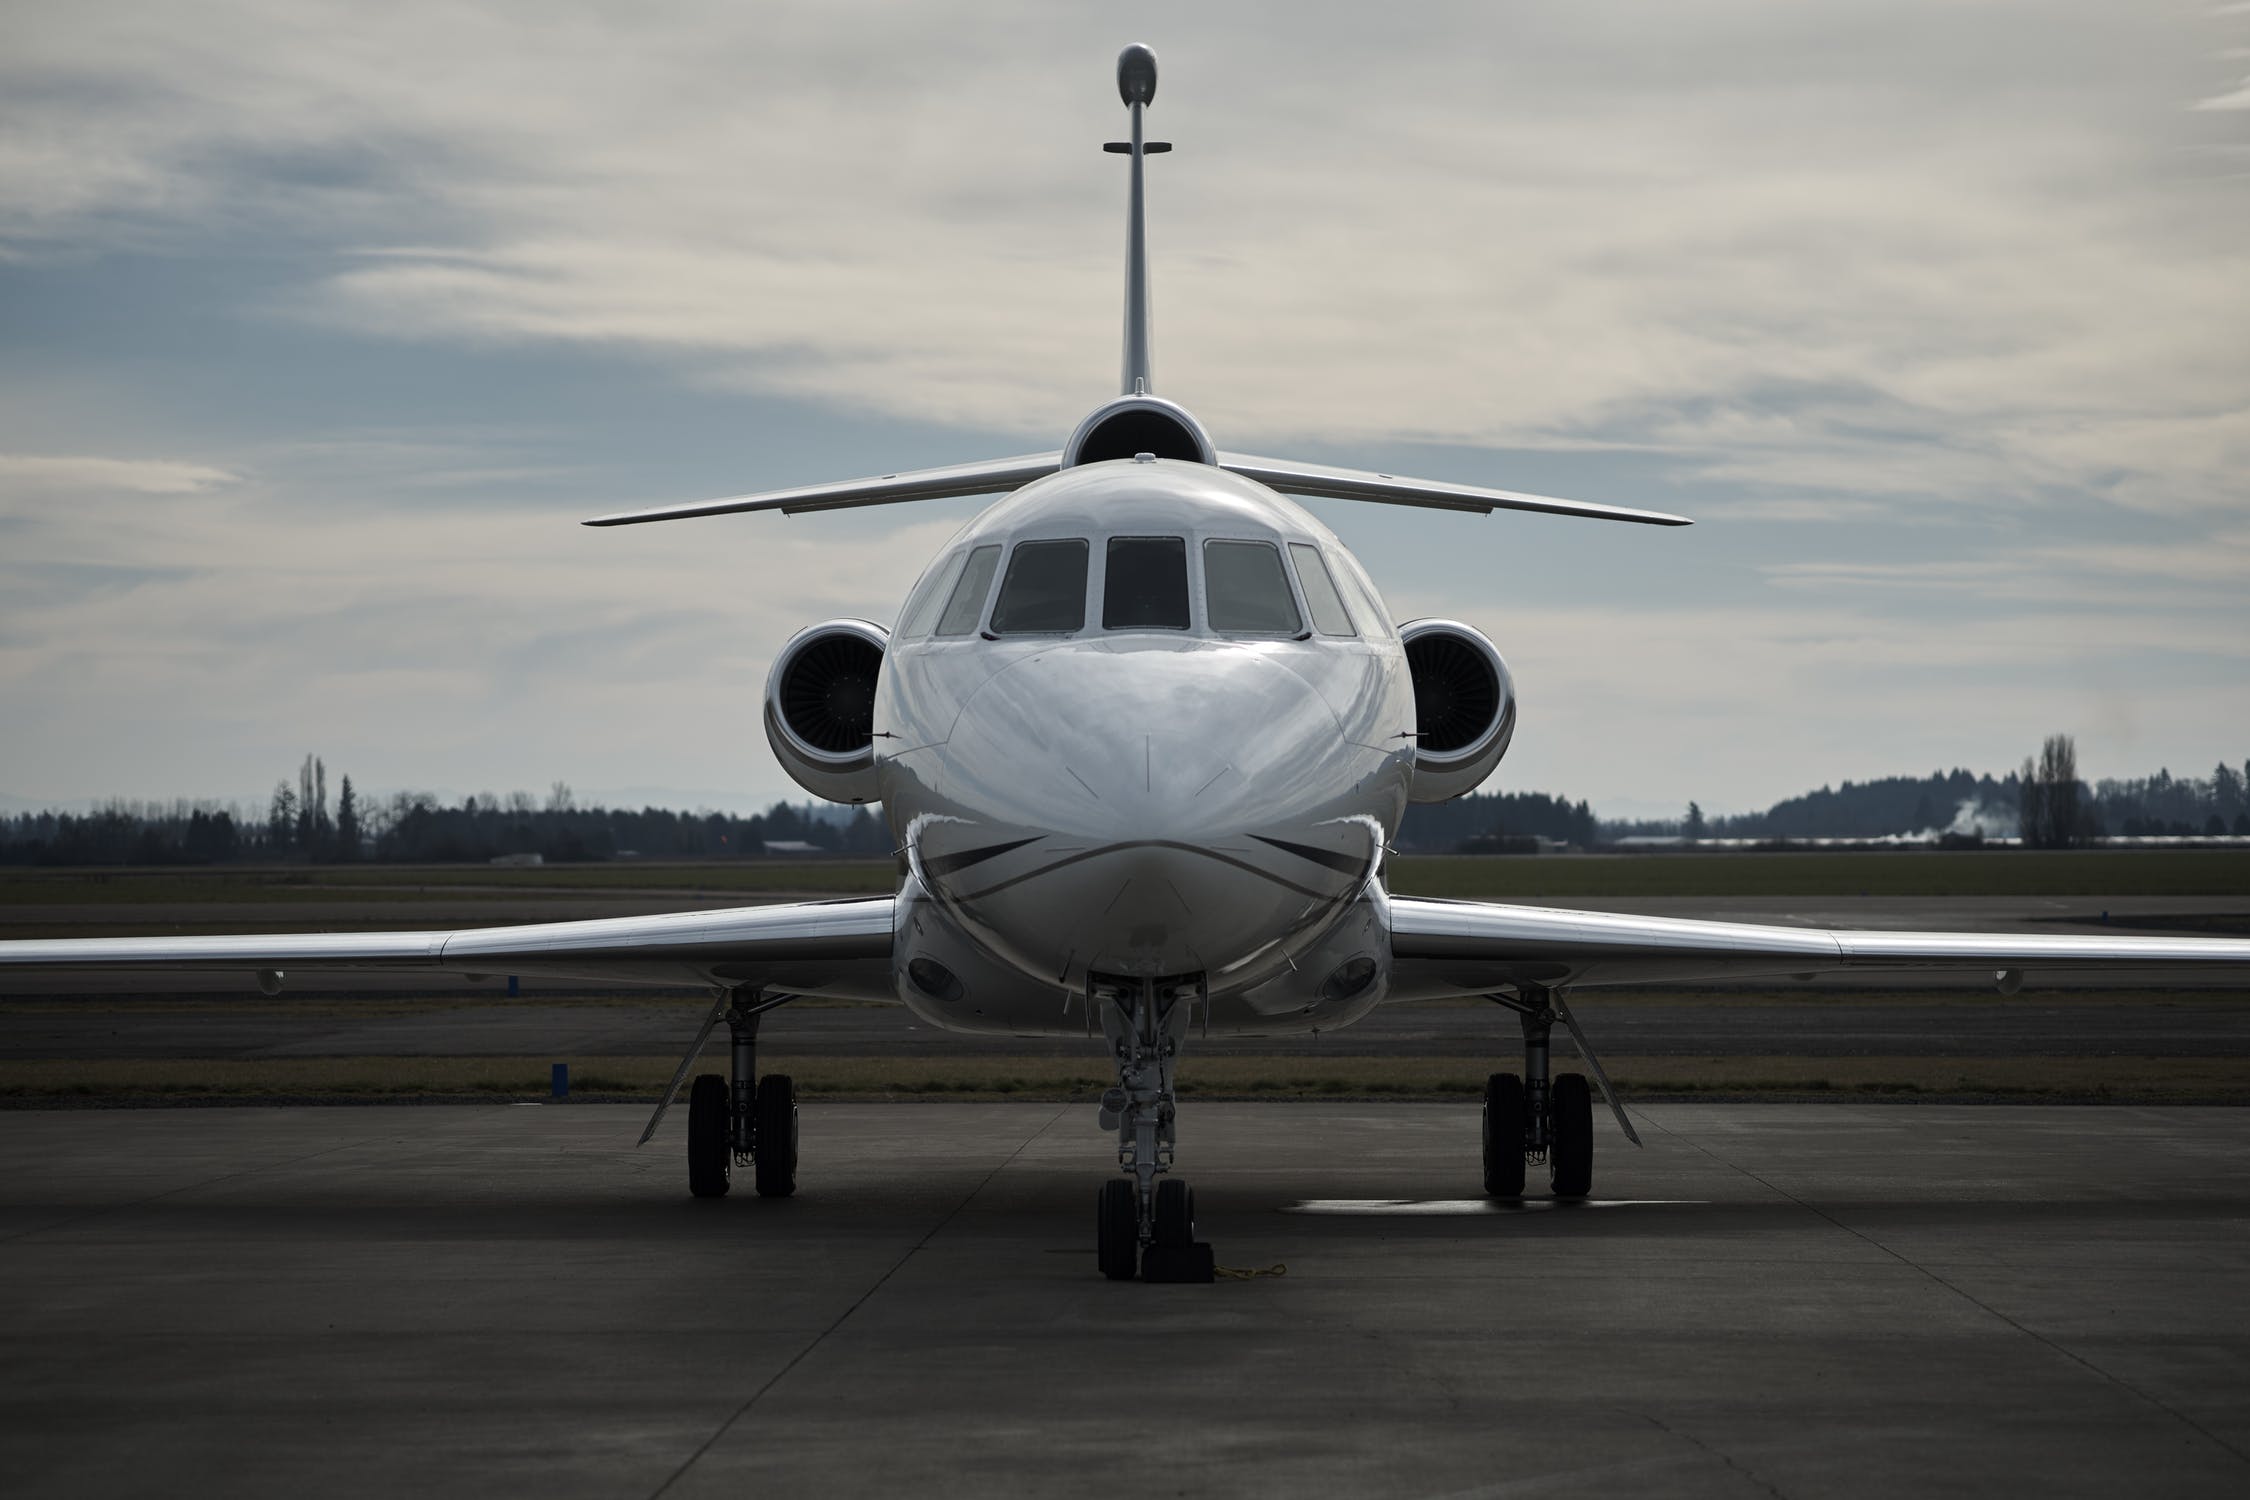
pixel 1133 425
pixel 820 708
pixel 1464 707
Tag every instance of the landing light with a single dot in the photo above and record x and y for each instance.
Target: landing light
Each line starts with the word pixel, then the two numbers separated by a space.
pixel 934 980
pixel 1352 976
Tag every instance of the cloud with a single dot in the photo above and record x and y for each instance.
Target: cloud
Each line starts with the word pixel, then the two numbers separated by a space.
pixel 1963 285
pixel 34 473
pixel 1561 232
pixel 2237 99
pixel 489 648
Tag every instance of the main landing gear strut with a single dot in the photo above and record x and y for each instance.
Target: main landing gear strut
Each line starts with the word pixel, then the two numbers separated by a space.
pixel 1146 1220
pixel 1541 1118
pixel 742 1120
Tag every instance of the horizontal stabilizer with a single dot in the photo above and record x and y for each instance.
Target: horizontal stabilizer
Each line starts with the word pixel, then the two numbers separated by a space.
pixel 991 476
pixel 1389 489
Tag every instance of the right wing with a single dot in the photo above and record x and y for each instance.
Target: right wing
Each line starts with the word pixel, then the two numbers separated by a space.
pixel 827 948
pixel 1477 947
pixel 986 477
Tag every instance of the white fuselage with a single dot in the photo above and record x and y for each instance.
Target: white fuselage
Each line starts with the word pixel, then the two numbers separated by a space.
pixel 1188 777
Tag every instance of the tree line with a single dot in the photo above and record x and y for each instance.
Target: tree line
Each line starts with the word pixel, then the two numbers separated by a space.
pixel 1495 822
pixel 299 823
pixel 2044 800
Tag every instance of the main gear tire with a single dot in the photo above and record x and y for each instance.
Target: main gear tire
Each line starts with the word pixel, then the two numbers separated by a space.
pixel 1505 1117
pixel 776 1138
pixel 710 1149
pixel 1570 1150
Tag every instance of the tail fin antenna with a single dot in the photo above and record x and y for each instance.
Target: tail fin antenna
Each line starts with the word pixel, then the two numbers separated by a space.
pixel 1136 84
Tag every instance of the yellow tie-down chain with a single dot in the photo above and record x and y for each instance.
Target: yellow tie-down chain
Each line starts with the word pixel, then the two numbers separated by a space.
pixel 1249 1273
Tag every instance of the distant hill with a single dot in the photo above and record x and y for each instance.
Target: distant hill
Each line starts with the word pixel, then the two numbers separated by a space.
pixel 1896 806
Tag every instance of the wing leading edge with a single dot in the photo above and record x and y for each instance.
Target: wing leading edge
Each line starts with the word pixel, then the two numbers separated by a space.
pixel 1472 947
pixel 829 948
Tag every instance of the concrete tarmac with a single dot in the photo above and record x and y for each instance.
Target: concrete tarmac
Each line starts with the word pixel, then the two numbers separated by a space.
pixel 1769 1300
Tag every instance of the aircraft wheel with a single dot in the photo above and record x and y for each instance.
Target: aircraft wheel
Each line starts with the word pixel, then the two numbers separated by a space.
pixel 777 1136
pixel 1504 1133
pixel 1570 1150
pixel 1118 1231
pixel 1175 1214
pixel 710 1154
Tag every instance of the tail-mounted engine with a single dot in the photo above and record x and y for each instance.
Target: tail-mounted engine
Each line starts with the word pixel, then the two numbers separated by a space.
pixel 1134 425
pixel 1464 707
pixel 820 708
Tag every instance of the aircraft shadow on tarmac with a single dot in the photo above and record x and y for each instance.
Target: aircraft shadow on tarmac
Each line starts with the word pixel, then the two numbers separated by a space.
pixel 1270 1220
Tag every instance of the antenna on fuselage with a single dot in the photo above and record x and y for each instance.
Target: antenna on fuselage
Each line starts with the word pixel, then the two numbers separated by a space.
pixel 1136 85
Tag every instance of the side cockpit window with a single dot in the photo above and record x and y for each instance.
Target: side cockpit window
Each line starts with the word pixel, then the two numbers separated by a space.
pixel 1145 584
pixel 1246 590
pixel 1045 590
pixel 965 604
pixel 1325 605
pixel 1370 604
pixel 922 604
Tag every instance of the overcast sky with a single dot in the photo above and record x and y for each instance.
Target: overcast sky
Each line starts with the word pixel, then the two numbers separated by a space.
pixel 322 325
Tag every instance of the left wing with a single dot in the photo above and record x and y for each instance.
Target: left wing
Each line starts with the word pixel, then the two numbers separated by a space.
pixel 1443 948
pixel 830 948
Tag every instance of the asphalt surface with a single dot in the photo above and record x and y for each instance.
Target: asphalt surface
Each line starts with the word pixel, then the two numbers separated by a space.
pixel 1768 1300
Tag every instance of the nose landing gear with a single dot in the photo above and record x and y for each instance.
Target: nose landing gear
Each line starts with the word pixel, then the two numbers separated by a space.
pixel 1144 1226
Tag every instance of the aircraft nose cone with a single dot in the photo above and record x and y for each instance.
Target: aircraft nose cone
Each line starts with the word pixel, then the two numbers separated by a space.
pixel 1160 743
pixel 1160 810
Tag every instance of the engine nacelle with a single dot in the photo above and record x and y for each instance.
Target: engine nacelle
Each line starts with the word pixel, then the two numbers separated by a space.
pixel 820 708
pixel 1464 707
pixel 1131 425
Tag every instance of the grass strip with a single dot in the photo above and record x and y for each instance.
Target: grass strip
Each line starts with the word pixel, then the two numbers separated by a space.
pixel 2126 1079
pixel 1903 872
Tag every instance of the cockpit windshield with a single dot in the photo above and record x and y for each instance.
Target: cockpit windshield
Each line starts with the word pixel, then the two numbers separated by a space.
pixel 1145 585
pixel 1247 591
pixel 1044 592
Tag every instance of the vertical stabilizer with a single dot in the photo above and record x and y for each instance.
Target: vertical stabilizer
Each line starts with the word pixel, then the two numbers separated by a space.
pixel 1136 84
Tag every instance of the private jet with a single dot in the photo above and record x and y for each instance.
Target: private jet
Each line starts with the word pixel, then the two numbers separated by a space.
pixel 1142 734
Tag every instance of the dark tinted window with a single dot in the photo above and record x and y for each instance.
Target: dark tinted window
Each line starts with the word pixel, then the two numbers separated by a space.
pixel 1045 590
pixel 1145 585
pixel 967 602
pixel 1247 590
pixel 1326 606
pixel 922 604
